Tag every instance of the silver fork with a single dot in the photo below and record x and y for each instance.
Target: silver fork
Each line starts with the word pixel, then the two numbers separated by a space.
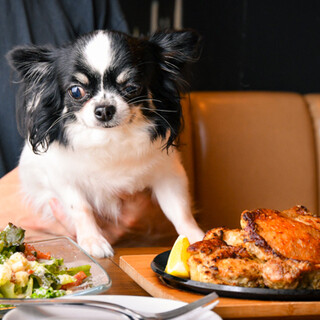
pixel 131 314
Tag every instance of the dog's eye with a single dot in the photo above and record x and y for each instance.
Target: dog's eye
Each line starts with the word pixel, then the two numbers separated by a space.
pixel 77 92
pixel 130 90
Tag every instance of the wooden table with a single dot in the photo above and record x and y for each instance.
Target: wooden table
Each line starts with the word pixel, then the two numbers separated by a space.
pixel 122 284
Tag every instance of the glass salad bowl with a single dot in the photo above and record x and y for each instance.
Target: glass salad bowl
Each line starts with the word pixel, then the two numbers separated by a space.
pixel 73 256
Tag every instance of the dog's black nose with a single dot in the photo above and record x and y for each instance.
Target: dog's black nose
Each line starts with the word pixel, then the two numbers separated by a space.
pixel 104 113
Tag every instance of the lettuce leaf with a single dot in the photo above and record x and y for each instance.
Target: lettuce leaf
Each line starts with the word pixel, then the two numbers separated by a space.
pixel 47 293
pixel 14 236
pixel 11 239
pixel 54 265
pixel 85 268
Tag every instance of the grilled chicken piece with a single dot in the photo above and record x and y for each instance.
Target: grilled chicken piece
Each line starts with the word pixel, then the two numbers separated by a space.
pixel 293 234
pixel 245 258
pixel 213 261
pixel 280 273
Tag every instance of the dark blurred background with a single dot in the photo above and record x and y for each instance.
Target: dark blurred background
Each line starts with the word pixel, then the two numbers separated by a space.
pixel 247 44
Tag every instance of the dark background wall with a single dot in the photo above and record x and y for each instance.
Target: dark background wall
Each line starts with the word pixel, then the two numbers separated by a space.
pixel 247 44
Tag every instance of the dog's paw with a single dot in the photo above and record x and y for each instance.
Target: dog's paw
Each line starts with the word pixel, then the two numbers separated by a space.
pixel 194 235
pixel 96 246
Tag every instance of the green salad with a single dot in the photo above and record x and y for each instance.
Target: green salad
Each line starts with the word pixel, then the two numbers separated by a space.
pixel 26 272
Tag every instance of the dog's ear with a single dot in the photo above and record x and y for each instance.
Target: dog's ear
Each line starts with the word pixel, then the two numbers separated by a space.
pixel 171 52
pixel 31 62
pixel 39 98
pixel 177 49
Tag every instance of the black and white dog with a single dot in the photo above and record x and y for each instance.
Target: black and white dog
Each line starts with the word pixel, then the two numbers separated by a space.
pixel 101 117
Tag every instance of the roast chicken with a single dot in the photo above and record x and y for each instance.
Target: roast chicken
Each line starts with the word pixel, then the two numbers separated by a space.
pixel 278 250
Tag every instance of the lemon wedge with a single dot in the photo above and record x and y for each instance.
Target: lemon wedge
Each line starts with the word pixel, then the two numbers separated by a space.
pixel 177 262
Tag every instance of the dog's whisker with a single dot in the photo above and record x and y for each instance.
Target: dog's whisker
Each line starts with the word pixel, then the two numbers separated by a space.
pixel 163 118
pixel 62 117
pixel 161 110
pixel 138 97
pixel 145 100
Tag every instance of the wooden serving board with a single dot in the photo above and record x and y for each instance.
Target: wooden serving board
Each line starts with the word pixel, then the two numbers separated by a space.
pixel 138 268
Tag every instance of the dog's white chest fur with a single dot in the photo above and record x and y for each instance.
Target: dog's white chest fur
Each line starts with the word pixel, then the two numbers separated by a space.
pixel 114 162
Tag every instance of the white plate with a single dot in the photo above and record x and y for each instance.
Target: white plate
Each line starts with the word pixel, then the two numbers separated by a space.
pixel 147 304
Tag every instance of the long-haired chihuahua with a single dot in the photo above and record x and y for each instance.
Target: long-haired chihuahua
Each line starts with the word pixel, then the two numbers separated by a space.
pixel 101 117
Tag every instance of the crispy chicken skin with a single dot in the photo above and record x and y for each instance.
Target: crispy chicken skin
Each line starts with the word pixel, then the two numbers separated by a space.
pixel 214 261
pixel 271 250
pixel 302 214
pixel 293 233
pixel 232 237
